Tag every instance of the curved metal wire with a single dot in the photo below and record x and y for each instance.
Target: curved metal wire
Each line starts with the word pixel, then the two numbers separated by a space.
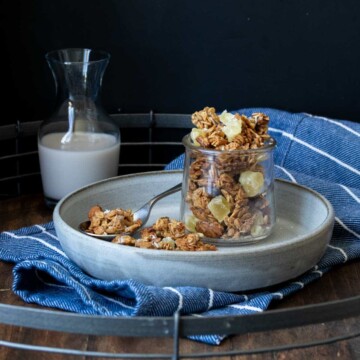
pixel 176 355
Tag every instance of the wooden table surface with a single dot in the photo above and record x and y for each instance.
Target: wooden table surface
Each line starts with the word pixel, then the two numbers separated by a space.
pixel 340 283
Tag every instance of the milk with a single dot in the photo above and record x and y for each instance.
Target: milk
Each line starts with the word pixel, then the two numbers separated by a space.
pixel 86 158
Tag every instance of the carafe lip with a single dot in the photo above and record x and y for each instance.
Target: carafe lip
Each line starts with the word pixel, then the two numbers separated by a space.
pixel 72 55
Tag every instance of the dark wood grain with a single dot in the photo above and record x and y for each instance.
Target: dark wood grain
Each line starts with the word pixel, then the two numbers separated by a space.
pixel 340 283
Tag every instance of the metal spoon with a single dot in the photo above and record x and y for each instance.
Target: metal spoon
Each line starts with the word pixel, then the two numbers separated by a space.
pixel 142 213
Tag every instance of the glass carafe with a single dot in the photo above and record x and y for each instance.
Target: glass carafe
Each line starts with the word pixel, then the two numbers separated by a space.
pixel 79 144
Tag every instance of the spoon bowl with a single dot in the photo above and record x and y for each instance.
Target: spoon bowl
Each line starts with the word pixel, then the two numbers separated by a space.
pixel 142 213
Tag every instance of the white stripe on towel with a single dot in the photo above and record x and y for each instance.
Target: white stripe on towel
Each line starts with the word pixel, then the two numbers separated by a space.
pixel 46 232
pixel 211 299
pixel 38 240
pixel 341 251
pixel 247 307
pixel 336 123
pixel 287 173
pixel 346 228
pixel 321 152
pixel 350 193
pixel 181 299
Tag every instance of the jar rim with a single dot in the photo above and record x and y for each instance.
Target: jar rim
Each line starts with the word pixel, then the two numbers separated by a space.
pixel 77 56
pixel 269 144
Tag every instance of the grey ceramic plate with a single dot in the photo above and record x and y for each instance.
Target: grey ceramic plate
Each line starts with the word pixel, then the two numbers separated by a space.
pixel 303 229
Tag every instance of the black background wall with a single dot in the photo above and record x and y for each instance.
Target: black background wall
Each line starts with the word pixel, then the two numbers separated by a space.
pixel 181 55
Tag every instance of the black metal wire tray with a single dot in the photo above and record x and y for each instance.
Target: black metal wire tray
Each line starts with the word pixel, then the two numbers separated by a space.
pixel 152 133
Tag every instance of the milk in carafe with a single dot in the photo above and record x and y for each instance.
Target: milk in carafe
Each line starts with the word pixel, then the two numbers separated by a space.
pixel 65 167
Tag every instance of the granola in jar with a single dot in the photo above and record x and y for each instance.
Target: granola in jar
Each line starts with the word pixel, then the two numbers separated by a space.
pixel 229 176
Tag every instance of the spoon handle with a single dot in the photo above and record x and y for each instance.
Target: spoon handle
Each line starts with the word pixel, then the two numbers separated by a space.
pixel 165 193
pixel 144 212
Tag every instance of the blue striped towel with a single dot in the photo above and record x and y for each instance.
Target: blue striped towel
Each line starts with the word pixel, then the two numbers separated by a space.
pixel 317 152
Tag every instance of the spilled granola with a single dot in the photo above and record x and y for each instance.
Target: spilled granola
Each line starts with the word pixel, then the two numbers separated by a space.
pixel 166 234
pixel 108 222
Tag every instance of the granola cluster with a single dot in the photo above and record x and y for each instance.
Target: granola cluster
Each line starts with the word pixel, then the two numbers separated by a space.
pixel 116 221
pixel 226 194
pixel 166 234
pixel 228 131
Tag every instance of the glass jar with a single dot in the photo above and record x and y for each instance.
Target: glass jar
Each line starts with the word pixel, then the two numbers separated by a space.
pixel 79 144
pixel 229 195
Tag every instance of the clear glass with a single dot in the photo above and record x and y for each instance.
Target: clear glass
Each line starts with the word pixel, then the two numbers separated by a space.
pixel 79 144
pixel 229 195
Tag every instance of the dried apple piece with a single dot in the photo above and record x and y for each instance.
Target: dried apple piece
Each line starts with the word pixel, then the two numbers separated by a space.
pixel 195 134
pixel 219 207
pixel 190 223
pixel 252 182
